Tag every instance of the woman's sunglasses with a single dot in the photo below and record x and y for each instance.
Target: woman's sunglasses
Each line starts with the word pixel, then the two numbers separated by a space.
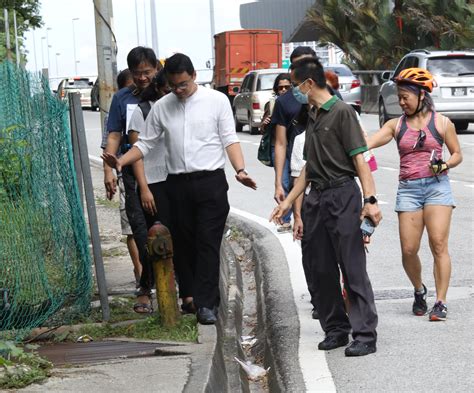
pixel 420 141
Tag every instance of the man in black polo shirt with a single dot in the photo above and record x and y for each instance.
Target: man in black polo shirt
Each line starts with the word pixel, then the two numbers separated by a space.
pixel 332 212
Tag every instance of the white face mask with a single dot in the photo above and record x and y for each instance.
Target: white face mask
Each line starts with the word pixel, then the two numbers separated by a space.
pixel 301 97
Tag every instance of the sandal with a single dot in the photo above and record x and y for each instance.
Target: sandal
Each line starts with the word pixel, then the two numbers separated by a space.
pixel 140 307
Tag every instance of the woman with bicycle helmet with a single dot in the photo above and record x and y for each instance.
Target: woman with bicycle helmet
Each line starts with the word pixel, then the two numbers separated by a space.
pixel 424 197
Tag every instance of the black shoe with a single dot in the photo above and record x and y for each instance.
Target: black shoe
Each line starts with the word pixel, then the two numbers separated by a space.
pixel 188 308
pixel 207 316
pixel 358 348
pixel 314 314
pixel 419 305
pixel 332 342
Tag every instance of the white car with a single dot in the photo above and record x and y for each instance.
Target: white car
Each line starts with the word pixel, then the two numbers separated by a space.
pixel 255 92
pixel 454 94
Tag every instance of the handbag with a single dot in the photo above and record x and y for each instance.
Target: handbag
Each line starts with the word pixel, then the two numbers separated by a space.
pixel 265 148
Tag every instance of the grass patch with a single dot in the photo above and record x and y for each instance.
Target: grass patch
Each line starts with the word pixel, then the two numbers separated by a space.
pixel 149 328
pixel 19 368
pixel 105 202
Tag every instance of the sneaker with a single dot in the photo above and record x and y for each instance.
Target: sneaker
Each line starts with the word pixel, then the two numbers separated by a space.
pixel 419 305
pixel 439 312
pixel 358 348
pixel 284 228
pixel 332 342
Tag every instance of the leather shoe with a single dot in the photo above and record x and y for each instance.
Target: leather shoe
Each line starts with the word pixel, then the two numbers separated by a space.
pixel 358 348
pixel 207 316
pixel 332 342
pixel 314 314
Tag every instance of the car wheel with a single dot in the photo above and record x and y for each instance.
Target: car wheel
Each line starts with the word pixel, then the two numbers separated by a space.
pixel 383 117
pixel 253 130
pixel 461 125
pixel 238 125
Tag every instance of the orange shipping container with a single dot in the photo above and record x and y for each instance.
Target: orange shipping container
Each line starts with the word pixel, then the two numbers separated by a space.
pixel 240 51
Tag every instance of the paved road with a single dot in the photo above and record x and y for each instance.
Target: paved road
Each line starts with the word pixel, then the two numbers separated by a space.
pixel 413 353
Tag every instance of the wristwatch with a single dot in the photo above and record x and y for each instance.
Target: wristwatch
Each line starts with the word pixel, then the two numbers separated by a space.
pixel 242 170
pixel 371 199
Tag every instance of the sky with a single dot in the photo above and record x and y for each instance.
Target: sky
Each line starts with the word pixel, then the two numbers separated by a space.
pixel 182 25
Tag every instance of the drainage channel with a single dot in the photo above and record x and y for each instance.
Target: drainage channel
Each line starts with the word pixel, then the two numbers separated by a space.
pixel 62 354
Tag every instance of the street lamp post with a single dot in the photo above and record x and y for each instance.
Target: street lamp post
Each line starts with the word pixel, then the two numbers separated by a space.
pixel 42 51
pixel 74 44
pixel 57 68
pixel 48 46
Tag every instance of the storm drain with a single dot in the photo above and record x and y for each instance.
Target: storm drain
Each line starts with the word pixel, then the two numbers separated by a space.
pixel 82 353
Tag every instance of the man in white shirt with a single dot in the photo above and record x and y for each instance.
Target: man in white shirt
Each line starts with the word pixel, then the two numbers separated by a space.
pixel 198 126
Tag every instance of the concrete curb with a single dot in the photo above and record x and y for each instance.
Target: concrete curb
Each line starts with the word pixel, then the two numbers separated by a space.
pixel 276 308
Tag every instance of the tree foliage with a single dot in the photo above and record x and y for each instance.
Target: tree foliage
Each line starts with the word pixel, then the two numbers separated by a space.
pixel 27 17
pixel 374 35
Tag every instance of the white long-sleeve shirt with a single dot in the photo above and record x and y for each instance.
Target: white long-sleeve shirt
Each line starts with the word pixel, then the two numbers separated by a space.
pixel 197 130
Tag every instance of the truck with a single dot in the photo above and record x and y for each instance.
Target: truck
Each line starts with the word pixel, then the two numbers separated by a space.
pixel 239 51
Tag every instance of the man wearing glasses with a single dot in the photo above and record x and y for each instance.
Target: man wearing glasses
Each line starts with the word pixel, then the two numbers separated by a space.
pixel 332 213
pixel 143 66
pixel 199 129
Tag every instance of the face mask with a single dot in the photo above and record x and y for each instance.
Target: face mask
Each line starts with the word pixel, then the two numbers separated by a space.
pixel 300 97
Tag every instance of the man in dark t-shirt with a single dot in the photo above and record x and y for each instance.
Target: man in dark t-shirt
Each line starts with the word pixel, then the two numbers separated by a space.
pixel 332 213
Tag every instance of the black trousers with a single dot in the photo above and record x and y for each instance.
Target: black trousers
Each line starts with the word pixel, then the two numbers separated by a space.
pixel 140 221
pixel 332 239
pixel 200 207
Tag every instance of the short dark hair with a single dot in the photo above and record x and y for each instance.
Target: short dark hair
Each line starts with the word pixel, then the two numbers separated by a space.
pixel 179 63
pixel 280 77
pixel 300 51
pixel 141 54
pixel 123 77
pixel 152 93
pixel 309 68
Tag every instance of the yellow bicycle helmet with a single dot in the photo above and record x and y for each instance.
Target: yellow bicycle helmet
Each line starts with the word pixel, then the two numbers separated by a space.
pixel 416 76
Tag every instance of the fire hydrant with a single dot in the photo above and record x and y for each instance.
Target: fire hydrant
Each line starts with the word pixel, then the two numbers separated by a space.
pixel 160 252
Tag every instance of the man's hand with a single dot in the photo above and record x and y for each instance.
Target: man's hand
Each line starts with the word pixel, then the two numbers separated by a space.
pixel 246 180
pixel 371 211
pixel 112 161
pixel 110 182
pixel 279 194
pixel 279 212
pixel 148 202
pixel 297 228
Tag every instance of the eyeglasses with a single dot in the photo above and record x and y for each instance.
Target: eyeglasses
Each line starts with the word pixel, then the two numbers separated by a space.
pixel 420 141
pixel 180 86
pixel 146 73
pixel 284 87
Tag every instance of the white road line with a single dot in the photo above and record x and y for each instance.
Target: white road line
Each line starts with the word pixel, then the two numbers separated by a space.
pixel 387 168
pixel 313 362
pixel 469 185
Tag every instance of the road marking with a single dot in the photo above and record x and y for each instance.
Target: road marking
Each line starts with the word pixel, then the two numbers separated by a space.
pixel 250 142
pixel 387 168
pixel 313 362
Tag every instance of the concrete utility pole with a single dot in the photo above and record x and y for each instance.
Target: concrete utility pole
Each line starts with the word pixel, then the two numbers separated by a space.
pixel 17 48
pixel 154 32
pixel 106 54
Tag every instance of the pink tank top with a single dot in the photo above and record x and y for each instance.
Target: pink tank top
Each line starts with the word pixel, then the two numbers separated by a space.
pixel 414 160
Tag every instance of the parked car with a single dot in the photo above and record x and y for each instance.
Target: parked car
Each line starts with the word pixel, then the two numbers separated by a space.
pixel 79 85
pixel 349 84
pixel 255 92
pixel 454 94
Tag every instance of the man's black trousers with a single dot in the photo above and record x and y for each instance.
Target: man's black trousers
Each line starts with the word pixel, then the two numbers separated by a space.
pixel 199 207
pixel 332 240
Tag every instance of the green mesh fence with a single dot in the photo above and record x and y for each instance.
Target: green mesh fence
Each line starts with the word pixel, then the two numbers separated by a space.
pixel 45 266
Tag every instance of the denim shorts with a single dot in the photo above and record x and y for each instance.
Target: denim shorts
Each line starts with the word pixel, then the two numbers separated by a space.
pixel 413 195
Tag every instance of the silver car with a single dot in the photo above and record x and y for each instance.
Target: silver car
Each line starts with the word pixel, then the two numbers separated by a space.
pixel 255 92
pixel 349 84
pixel 454 94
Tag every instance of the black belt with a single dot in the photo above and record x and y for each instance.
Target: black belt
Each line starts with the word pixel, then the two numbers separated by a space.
pixel 195 175
pixel 334 183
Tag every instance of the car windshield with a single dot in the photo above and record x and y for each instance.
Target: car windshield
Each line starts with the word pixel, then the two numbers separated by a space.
pixel 451 65
pixel 78 84
pixel 340 71
pixel 265 81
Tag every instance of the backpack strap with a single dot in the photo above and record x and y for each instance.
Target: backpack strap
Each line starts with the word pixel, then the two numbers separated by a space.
pixel 145 106
pixel 401 128
pixel 434 131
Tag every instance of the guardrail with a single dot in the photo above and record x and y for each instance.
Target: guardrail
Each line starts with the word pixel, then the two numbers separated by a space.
pixel 370 85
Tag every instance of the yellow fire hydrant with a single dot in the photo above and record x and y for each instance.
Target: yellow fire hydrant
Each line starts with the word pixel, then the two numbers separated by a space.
pixel 160 250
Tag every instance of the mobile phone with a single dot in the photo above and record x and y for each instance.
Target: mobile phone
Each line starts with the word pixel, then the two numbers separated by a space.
pixel 367 227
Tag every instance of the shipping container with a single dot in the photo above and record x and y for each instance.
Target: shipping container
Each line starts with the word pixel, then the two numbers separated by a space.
pixel 240 51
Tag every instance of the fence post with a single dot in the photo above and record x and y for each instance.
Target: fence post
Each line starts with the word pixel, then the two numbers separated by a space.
pixel 76 109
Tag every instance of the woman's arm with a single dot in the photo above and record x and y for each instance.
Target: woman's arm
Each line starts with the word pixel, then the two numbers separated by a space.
pixel 384 135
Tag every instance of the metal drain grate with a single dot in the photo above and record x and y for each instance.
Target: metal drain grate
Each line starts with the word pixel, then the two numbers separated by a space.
pixel 91 352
